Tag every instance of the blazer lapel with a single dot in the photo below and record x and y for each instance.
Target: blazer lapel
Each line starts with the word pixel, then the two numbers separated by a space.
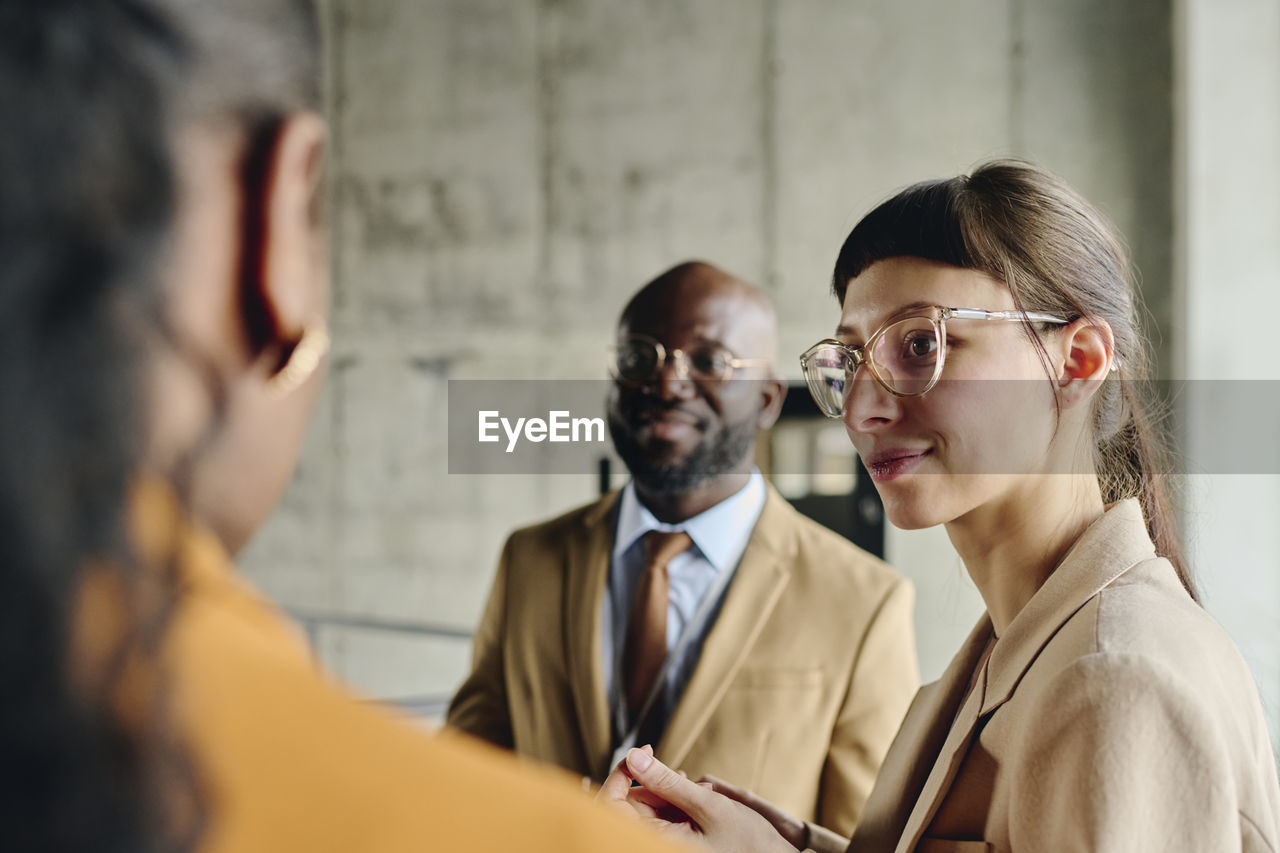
pixel 760 578
pixel 921 742
pixel 1106 550
pixel 1112 545
pixel 587 571
pixel 953 751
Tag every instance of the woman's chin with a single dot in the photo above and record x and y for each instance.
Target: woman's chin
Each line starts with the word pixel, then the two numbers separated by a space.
pixel 907 510
pixel 910 522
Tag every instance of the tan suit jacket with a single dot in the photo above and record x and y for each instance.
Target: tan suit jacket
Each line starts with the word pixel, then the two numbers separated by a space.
pixel 1113 715
pixel 802 681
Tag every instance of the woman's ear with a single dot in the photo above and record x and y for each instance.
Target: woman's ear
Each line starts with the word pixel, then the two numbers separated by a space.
pixel 1088 353
pixel 286 284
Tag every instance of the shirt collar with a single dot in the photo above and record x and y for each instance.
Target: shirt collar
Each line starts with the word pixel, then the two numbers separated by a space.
pixel 719 532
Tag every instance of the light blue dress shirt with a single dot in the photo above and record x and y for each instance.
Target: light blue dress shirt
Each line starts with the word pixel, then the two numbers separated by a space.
pixel 719 537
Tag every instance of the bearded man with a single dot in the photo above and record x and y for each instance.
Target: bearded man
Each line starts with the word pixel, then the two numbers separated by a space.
pixel 696 610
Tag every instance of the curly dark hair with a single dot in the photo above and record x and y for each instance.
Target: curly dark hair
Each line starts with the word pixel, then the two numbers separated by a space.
pixel 91 92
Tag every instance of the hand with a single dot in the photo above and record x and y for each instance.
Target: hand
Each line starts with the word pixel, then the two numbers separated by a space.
pixel 787 826
pixel 686 810
pixel 617 792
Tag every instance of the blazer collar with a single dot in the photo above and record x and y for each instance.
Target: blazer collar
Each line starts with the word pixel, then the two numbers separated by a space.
pixel 956 729
pixel 935 735
pixel 587 566
pixel 760 578
pixel 922 753
pixel 1110 546
pixel 601 511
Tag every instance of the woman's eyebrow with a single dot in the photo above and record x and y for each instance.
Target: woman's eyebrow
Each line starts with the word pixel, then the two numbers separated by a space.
pixel 846 331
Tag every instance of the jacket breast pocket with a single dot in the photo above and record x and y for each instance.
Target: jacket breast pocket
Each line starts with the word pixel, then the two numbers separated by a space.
pixel 777 678
pixel 775 723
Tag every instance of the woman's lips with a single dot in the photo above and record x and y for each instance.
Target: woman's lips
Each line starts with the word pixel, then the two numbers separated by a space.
pixel 892 464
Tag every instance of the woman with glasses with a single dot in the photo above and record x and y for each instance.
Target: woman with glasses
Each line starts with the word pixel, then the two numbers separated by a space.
pixel 988 366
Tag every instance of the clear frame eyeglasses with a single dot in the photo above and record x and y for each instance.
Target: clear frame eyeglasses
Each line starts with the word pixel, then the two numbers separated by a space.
pixel 905 356
pixel 640 359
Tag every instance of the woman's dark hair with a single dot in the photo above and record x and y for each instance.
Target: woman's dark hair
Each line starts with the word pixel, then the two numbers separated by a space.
pixel 91 92
pixel 1023 226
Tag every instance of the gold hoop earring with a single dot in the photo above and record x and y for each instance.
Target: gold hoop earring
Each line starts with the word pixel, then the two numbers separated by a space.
pixel 302 362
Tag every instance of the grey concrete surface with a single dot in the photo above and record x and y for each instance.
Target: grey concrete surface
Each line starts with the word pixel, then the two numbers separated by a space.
pixel 506 173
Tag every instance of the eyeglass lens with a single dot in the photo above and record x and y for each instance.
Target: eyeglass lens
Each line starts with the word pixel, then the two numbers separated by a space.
pixel 904 357
pixel 639 360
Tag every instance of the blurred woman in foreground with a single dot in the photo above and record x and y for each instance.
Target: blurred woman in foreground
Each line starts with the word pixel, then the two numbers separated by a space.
pixel 163 323
pixel 988 366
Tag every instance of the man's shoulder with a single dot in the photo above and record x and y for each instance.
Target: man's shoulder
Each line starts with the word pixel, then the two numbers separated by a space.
pixel 569 523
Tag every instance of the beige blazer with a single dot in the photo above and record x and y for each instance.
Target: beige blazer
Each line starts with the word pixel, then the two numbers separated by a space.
pixel 802 681
pixel 1113 715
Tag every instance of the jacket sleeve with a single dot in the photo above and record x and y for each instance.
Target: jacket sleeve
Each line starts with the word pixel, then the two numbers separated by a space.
pixel 480 706
pixel 820 840
pixel 1121 754
pixel 884 678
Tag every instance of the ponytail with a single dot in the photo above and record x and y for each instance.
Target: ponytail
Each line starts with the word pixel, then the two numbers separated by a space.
pixel 1136 462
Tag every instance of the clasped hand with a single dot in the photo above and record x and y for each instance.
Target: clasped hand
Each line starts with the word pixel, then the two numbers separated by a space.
pixel 711 813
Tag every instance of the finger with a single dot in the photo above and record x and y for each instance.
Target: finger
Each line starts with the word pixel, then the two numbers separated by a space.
pixel 733 792
pixel 727 788
pixel 644 796
pixel 787 826
pixel 670 785
pixel 616 786
pixel 646 805
pixel 706 785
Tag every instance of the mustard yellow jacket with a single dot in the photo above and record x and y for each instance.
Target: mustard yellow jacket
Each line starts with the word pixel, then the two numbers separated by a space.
pixel 290 761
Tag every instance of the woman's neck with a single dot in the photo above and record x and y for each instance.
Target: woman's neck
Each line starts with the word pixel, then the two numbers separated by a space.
pixel 1010 547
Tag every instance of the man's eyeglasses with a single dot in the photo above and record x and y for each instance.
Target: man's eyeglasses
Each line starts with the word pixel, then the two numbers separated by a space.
pixel 905 356
pixel 639 359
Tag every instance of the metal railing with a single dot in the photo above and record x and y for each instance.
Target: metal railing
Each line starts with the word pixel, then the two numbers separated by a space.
pixel 427 706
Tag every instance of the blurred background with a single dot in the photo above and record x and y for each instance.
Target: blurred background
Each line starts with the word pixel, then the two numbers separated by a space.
pixel 507 172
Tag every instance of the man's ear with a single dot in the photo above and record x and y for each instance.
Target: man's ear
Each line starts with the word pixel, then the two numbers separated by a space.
pixel 1088 353
pixel 774 394
pixel 285 275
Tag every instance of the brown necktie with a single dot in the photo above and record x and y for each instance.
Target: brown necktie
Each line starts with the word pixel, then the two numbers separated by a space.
pixel 646 646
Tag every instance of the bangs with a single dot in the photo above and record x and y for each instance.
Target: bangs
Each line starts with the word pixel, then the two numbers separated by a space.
pixel 931 220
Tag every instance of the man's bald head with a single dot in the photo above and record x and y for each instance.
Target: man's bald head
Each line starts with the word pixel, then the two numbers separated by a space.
pixel 747 323
pixel 688 435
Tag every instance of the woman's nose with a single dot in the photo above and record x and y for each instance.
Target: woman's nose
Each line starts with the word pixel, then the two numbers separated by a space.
pixel 869 406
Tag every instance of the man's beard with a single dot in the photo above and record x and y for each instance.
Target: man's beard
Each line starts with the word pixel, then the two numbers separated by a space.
pixel 716 454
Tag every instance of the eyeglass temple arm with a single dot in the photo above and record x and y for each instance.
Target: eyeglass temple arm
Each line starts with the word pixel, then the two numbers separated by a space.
pixel 980 314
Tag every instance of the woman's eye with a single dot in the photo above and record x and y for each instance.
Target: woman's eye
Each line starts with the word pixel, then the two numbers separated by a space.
pixel 919 346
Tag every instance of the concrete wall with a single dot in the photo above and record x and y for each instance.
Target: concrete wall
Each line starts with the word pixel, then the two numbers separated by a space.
pixel 1228 128
pixel 507 173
